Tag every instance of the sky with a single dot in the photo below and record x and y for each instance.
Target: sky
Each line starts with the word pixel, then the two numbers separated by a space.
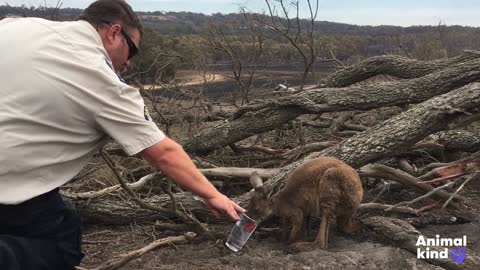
pixel 360 12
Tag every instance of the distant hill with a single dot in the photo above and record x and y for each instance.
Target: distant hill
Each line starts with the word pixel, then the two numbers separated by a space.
pixel 176 23
pixel 182 33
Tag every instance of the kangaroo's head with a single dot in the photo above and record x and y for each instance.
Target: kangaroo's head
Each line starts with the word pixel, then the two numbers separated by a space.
pixel 260 206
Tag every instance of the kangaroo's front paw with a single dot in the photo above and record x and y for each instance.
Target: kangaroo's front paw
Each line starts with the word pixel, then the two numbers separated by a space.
pixel 351 228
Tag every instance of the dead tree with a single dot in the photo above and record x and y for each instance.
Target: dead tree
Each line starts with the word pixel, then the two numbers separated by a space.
pixel 299 37
pixel 43 10
pixel 244 62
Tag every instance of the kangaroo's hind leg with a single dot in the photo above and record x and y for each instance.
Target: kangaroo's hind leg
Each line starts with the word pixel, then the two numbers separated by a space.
pixel 322 237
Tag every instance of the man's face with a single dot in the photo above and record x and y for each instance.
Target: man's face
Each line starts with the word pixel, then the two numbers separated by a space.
pixel 121 45
pixel 126 49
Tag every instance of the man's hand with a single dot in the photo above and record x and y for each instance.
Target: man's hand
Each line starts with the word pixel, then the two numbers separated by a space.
pixel 223 203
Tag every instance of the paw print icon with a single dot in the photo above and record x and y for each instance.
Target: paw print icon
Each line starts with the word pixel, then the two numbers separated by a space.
pixel 458 255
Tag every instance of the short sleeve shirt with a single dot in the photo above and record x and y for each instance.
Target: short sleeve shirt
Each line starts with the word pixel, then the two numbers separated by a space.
pixel 60 101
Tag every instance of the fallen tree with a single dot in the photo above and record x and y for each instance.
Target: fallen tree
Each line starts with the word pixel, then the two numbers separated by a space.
pixel 404 235
pixel 265 116
pixel 393 65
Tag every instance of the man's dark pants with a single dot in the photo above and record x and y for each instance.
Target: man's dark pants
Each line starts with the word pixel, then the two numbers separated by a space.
pixel 40 234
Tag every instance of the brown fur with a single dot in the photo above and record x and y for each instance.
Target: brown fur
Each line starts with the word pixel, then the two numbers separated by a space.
pixel 324 187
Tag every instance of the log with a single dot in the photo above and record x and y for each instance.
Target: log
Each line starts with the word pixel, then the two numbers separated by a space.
pixel 109 212
pixel 459 140
pixel 393 65
pixel 404 130
pixel 400 233
pixel 265 116
pixel 229 172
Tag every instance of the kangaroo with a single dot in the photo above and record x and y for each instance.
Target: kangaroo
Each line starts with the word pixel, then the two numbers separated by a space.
pixel 324 187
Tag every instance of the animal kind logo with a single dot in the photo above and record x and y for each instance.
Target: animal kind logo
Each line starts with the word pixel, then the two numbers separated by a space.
pixel 442 248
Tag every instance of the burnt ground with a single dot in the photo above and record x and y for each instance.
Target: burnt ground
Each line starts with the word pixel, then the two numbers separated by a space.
pixel 103 243
pixel 365 250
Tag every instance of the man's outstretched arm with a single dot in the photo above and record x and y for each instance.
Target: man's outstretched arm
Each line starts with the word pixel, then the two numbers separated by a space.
pixel 170 158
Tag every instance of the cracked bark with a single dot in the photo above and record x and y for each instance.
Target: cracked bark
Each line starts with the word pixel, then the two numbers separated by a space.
pixel 392 65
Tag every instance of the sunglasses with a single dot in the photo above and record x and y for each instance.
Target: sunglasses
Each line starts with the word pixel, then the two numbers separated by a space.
pixel 132 48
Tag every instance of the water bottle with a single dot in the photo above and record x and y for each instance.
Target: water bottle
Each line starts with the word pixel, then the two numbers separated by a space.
pixel 241 232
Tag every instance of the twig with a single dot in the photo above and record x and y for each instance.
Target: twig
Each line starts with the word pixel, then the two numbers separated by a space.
pixel 385 207
pixel 426 207
pixel 238 172
pixel 182 216
pixel 168 190
pixel 95 194
pixel 423 171
pixel 125 258
pixel 379 170
pixel 458 189
pixel 386 186
pixel 428 194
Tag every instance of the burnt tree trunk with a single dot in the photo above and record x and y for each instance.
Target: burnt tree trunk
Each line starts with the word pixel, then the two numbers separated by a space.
pixel 105 211
pixel 393 65
pixel 460 140
pixel 262 117
pixel 400 233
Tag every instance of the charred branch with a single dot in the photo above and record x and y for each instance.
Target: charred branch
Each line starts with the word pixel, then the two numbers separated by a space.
pixel 393 65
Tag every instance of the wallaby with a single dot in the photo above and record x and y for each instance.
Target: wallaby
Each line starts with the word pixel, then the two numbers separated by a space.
pixel 324 187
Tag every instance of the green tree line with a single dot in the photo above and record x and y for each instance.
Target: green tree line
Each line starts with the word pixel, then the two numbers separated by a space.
pixel 176 40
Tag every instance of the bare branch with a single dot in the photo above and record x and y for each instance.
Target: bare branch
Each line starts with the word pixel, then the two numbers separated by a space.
pixel 95 194
pixel 427 195
pixel 458 189
pixel 184 217
pixel 125 258
pixel 379 170
pixel 385 207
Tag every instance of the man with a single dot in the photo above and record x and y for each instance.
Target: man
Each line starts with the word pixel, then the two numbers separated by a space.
pixel 60 101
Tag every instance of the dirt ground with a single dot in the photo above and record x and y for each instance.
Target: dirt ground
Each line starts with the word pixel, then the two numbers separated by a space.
pixel 262 251
pixel 364 250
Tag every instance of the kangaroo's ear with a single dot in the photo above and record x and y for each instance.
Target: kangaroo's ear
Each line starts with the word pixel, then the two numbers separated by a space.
pixel 256 180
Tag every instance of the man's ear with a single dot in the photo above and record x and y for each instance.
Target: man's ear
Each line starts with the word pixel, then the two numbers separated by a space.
pixel 110 33
pixel 114 31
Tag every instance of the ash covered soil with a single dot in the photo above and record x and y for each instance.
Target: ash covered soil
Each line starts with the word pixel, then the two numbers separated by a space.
pixel 263 250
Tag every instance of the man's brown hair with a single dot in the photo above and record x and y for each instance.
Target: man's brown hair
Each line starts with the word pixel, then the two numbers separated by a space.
pixel 114 11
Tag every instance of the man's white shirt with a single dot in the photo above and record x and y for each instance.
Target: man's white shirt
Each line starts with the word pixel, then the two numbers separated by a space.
pixel 60 101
